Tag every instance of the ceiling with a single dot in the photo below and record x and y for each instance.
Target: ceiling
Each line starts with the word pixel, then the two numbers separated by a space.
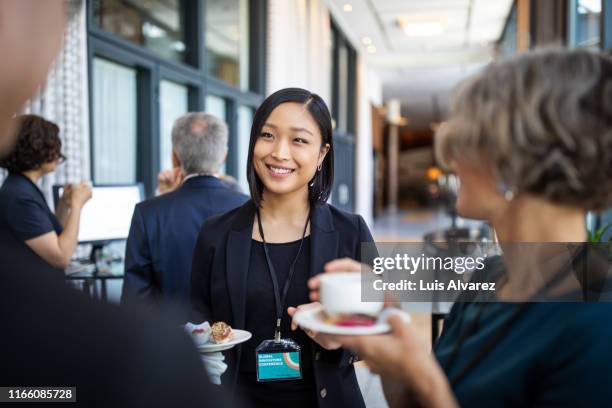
pixel 421 49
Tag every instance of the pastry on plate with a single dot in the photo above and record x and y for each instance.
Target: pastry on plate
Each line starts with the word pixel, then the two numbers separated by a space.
pixel 221 332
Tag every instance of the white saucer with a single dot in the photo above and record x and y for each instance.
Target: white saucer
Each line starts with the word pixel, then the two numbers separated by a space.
pixel 240 336
pixel 312 319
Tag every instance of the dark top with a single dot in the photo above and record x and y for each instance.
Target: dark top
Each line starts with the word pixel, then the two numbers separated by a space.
pixel 54 336
pixel 221 263
pixel 23 209
pixel 261 321
pixel 530 354
pixel 162 236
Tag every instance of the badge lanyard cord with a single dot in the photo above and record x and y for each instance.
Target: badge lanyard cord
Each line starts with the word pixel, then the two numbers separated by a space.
pixel 280 302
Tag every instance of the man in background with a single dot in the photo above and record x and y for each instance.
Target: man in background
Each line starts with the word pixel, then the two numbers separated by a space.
pixel 52 335
pixel 165 228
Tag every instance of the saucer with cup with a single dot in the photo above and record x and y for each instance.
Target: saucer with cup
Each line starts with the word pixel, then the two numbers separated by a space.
pixel 342 311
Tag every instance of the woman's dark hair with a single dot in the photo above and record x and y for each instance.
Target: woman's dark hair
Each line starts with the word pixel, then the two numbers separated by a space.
pixel 37 143
pixel 324 179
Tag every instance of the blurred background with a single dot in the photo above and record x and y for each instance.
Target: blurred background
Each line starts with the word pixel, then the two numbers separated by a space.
pixel 386 68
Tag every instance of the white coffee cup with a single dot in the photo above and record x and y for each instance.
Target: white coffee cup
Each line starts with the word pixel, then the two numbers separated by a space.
pixel 340 293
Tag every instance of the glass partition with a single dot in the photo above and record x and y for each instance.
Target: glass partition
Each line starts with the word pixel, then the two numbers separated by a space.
pixel 173 103
pixel 114 122
pixel 227 41
pixel 158 25
pixel 585 23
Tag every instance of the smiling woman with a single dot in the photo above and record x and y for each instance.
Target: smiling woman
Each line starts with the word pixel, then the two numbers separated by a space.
pixel 291 146
pixel 251 265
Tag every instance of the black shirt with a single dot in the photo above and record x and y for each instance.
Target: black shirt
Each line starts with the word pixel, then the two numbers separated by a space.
pixel 261 321
pixel 23 209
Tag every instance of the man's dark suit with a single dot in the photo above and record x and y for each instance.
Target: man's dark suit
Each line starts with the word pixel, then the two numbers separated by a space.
pixel 162 237
pixel 54 336
pixel 220 268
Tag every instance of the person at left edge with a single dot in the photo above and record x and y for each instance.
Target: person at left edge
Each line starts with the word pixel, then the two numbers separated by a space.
pixel 164 229
pixel 23 209
pixel 290 172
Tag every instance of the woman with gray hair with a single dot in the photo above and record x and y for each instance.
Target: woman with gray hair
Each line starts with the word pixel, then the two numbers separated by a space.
pixel 530 139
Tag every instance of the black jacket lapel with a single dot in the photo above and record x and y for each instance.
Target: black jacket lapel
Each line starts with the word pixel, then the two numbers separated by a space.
pixel 323 237
pixel 238 252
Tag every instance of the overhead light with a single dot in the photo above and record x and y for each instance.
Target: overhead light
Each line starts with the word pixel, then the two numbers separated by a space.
pixel 366 40
pixel 421 27
pixel 347 7
pixel 371 49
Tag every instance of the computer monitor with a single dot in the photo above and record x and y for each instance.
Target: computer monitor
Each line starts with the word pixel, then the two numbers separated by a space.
pixel 108 214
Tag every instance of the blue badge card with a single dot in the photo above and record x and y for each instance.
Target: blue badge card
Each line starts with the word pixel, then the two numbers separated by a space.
pixel 278 360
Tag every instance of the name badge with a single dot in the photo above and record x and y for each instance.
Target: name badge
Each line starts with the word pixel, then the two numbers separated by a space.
pixel 278 360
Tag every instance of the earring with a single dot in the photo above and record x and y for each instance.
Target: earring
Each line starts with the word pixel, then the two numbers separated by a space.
pixel 311 184
pixel 508 192
pixel 319 166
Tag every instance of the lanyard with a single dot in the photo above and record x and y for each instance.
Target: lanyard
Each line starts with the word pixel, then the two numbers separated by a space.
pixel 277 299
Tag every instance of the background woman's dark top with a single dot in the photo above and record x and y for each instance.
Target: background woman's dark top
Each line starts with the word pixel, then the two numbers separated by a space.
pixel 23 209
pixel 261 318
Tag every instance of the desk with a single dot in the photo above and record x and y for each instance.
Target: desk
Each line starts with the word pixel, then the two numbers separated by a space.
pixel 89 279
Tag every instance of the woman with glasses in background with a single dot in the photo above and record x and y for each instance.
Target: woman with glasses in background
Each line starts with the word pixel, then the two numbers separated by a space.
pixel 23 209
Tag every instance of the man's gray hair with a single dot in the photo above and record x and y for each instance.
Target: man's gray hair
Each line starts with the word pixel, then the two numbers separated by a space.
pixel 199 141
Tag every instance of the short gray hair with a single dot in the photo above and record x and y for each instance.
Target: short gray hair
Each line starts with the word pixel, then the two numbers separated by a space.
pixel 199 141
pixel 544 119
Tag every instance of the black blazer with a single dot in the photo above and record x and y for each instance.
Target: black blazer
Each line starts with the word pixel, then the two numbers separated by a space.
pixel 162 236
pixel 218 285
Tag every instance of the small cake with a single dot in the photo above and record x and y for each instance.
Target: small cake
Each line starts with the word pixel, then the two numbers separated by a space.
pixel 221 332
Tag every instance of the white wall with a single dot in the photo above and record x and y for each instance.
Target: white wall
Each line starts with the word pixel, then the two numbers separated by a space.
pixel 299 54
pixel 369 92
pixel 298 47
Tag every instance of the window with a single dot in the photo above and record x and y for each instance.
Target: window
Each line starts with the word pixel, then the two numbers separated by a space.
pixel 114 123
pixel 154 60
pixel 507 43
pixel 343 81
pixel 245 121
pixel 585 23
pixel 216 106
pixel 342 102
pixel 155 24
pixel 173 103
pixel 343 84
pixel 227 41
